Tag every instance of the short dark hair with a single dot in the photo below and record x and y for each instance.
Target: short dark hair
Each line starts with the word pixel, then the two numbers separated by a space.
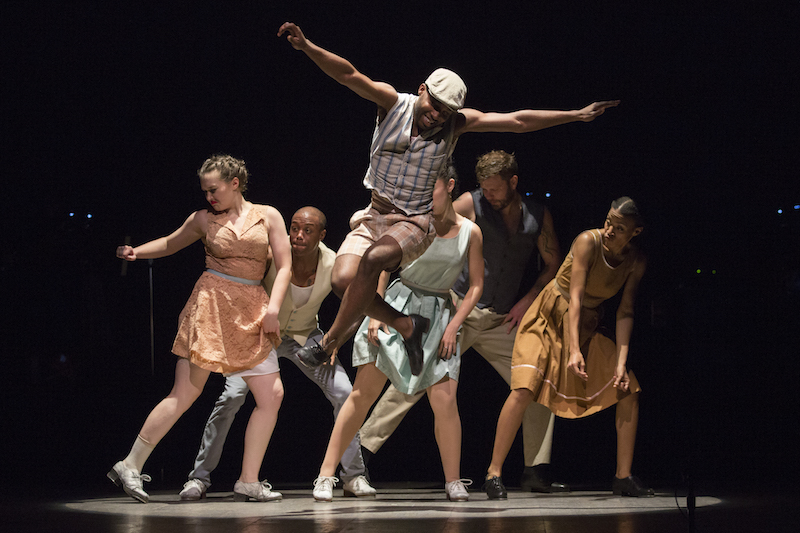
pixel 311 210
pixel 496 162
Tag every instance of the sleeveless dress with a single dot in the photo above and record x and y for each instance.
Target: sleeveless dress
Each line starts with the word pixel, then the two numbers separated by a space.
pixel 424 289
pixel 541 349
pixel 219 328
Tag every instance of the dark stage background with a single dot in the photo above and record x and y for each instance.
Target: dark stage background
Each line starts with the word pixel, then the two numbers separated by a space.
pixel 109 108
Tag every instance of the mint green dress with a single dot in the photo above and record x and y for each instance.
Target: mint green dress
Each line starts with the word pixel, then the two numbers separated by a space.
pixel 423 288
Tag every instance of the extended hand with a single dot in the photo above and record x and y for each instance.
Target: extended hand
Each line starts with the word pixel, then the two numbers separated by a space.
pixel 126 252
pixel 621 379
pixel 577 365
pixel 592 111
pixel 517 312
pixel 372 331
pixel 447 346
pixel 294 35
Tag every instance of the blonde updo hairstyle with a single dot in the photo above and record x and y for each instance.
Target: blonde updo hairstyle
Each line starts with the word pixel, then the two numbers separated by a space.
pixel 229 167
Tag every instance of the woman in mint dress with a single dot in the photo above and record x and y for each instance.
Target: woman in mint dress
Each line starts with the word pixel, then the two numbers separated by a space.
pixel 422 288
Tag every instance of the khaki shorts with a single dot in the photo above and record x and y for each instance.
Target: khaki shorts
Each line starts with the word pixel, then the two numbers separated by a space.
pixel 414 233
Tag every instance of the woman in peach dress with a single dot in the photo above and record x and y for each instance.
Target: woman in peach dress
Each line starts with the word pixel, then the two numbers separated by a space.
pixel 229 325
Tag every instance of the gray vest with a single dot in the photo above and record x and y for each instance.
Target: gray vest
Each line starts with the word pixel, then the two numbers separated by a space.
pixel 507 260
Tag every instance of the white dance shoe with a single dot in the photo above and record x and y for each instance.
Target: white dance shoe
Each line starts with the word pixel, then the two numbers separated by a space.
pixel 457 490
pixel 130 480
pixel 258 490
pixel 358 487
pixel 323 488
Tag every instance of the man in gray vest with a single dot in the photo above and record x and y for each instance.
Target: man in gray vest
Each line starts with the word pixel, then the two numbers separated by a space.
pixel 516 231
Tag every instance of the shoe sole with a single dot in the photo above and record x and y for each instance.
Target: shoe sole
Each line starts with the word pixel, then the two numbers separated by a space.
pixel 239 498
pixel 193 498
pixel 548 490
pixel 348 494
pixel 422 355
pixel 629 495
pixel 113 476
pixel 309 365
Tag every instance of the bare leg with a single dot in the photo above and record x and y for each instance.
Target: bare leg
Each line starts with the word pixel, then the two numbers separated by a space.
pixel 627 421
pixel 447 426
pixel 507 426
pixel 366 389
pixel 357 280
pixel 268 392
pixel 189 382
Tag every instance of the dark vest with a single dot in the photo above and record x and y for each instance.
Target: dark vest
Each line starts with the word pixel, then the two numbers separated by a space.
pixel 507 260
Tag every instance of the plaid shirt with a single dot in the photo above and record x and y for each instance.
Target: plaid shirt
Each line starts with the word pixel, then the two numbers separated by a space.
pixel 403 170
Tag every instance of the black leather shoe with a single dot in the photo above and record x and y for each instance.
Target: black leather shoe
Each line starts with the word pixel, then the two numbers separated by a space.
pixel 312 354
pixel 414 342
pixel 494 488
pixel 631 486
pixel 537 479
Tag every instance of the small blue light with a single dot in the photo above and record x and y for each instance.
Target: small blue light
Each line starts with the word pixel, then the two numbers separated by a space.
pixel 547 195
pixel 72 214
pixel 527 194
pixel 796 206
pixel 88 215
pixel 780 211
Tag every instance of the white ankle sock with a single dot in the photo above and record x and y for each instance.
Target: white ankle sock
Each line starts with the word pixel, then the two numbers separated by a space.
pixel 139 453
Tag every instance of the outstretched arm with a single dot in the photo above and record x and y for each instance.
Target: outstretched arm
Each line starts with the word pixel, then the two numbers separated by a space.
pixel 192 229
pixel 528 120
pixel 340 69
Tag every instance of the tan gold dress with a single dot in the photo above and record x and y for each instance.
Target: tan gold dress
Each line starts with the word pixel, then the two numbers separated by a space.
pixel 541 349
pixel 219 328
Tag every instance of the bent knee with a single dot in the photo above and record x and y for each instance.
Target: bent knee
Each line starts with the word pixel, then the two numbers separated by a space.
pixel 340 280
pixel 278 392
pixel 522 396
pixel 377 258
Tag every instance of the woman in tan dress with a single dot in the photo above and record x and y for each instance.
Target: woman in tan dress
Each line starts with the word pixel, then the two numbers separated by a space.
pixel 229 325
pixel 561 361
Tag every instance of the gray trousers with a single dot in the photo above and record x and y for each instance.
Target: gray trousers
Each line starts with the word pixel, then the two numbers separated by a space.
pixel 335 384
pixel 484 331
